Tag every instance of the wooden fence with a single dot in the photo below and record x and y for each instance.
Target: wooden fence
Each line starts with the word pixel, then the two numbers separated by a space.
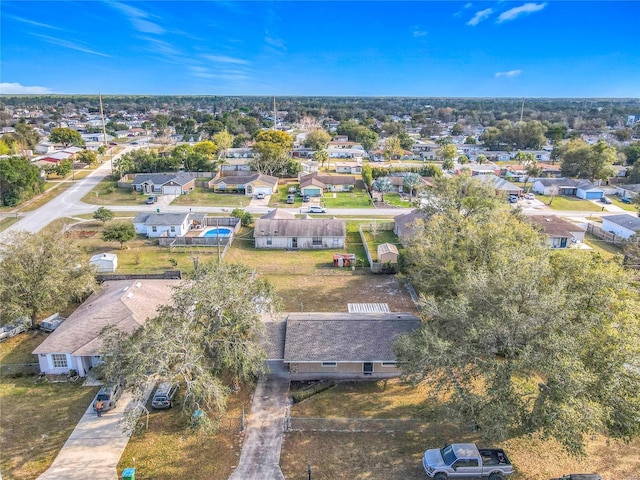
pixel 167 275
pixel 608 237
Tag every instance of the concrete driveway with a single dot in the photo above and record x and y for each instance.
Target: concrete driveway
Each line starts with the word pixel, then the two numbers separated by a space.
pixel 95 446
pixel 260 457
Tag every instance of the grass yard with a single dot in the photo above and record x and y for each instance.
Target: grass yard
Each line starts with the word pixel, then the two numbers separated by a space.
pixel 279 199
pixel 37 418
pixel 354 199
pixel 171 450
pixel 383 456
pixel 107 192
pixel 625 206
pixel 52 190
pixel 606 249
pixel 200 197
pixel 6 222
pixel 569 204
pixel 396 200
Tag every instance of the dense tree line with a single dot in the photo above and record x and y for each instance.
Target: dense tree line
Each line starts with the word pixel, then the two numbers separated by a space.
pixel 19 180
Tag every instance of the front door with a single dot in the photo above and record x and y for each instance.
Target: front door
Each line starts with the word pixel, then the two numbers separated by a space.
pixel 367 368
pixel 294 242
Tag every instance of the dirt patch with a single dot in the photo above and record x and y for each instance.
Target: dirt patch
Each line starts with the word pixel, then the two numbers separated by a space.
pixel 80 234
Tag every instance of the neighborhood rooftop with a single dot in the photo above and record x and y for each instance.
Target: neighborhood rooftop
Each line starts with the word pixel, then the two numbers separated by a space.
pixel 625 220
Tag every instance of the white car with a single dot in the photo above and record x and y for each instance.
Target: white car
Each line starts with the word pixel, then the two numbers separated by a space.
pixel 316 209
pixel 529 196
pixel 260 196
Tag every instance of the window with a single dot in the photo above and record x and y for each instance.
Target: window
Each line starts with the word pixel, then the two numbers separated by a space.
pixel 154 229
pixel 336 241
pixel 329 364
pixel 317 241
pixel 173 229
pixel 269 241
pixel 388 364
pixel 59 360
pixel 462 463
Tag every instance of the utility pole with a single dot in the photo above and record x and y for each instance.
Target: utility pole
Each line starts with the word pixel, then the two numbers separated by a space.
pixel 275 114
pixel 104 131
pixel 522 110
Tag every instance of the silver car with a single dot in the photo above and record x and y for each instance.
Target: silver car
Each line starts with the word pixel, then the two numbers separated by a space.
pixel 109 394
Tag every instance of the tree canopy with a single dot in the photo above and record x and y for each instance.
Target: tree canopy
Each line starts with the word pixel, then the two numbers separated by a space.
pixel 206 338
pixel 317 139
pixel 19 180
pixel 520 338
pixel 41 273
pixel 120 232
pixel 271 150
pixel 578 159
pixel 66 137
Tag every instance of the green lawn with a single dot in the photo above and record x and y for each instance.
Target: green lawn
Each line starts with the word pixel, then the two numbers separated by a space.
pixel 606 249
pixel 625 206
pixel 201 197
pixel 107 192
pixel 395 200
pixel 37 417
pixel 6 222
pixel 570 204
pixel 354 199
pixel 279 199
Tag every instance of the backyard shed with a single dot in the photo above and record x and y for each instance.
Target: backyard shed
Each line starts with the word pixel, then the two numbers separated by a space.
pixel 104 262
pixel 387 253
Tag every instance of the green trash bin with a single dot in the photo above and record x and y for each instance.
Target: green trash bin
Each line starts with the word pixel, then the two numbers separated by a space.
pixel 129 474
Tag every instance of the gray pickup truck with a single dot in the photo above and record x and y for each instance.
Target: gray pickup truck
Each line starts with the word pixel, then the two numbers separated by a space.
pixel 465 460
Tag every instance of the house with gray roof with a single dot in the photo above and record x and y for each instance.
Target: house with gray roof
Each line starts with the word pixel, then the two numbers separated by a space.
pixel 123 304
pixel 169 224
pixel 628 190
pixel 164 183
pixel 313 183
pixel 342 344
pixel 568 186
pixel 248 183
pixel 559 233
pixel 280 229
pixel 405 225
pixel 500 185
pixel 623 225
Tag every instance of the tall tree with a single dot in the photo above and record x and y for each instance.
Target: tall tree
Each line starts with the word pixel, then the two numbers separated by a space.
pixel 271 150
pixel 392 148
pixel 206 338
pixel 526 340
pixel 317 139
pixel 88 156
pixel 382 185
pixel 447 152
pixel 321 156
pixel 224 141
pixel 66 137
pixel 19 180
pixel 411 182
pixel 40 273
pixel 580 160
pixel 103 214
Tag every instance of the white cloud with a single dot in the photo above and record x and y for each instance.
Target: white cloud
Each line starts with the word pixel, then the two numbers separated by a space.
pixel 275 42
pixel 468 5
pixel 510 73
pixel 32 22
pixel 18 89
pixel 70 45
pixel 145 26
pixel 136 16
pixel 225 59
pixel 525 9
pixel 419 33
pixel 480 16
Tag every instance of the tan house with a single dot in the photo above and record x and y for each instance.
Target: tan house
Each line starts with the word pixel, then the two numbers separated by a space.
pixel 280 229
pixel 124 304
pixel 315 183
pixel 341 344
pixel 250 184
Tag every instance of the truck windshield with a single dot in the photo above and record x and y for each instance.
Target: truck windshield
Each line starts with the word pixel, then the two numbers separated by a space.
pixel 447 455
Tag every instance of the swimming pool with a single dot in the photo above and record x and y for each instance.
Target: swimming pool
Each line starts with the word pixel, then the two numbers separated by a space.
pixel 217 232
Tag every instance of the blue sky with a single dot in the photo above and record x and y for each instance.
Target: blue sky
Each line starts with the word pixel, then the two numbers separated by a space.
pixel 416 48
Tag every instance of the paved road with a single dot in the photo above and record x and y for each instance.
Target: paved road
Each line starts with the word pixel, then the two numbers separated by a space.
pixel 260 457
pixel 95 446
pixel 66 204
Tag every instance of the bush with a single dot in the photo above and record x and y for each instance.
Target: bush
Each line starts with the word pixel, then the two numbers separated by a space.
pixel 308 392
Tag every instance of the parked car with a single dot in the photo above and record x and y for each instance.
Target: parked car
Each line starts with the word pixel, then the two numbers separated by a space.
pixel 606 200
pixel 134 143
pixel 19 325
pixel 292 189
pixel 529 196
pixel 579 476
pixel 113 144
pixel 109 394
pixel 291 199
pixel 305 198
pixel 163 398
pixel 260 195
pixel 513 199
pixel 316 209
pixel 152 199
pixel 625 200
pixel 465 460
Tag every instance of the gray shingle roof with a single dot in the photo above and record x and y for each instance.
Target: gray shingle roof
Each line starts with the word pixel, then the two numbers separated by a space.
pixel 554 226
pixel 111 305
pixel 567 182
pixel 161 219
pixel 499 183
pixel 300 227
pixel 181 178
pixel 625 220
pixel 345 337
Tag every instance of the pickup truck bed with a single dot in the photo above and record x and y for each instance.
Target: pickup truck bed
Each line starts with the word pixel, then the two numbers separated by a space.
pixel 493 456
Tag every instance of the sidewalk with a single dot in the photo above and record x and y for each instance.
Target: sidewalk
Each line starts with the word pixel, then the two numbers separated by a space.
pixel 260 457
pixel 95 446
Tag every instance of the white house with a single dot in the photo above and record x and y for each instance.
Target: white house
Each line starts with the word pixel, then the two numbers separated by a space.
pixel 155 224
pixel 280 229
pixel 559 233
pixel 124 304
pixel 623 225
pixel 105 262
pixel 568 186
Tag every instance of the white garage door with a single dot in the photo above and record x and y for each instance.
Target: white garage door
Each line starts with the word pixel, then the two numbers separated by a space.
pixel 265 190
pixel 172 190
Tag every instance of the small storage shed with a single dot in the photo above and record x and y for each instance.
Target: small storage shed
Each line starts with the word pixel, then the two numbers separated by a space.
pixel 105 262
pixel 387 253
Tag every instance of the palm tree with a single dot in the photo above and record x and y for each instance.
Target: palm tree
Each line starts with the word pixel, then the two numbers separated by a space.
pixel 411 182
pixel 321 156
pixel 382 185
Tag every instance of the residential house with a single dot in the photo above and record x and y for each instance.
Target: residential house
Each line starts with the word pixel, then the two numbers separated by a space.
pixel 302 152
pixel 314 183
pixel 344 152
pixel 568 186
pixel 155 224
pixel 280 229
pixel 250 184
pixel 560 233
pixel 502 186
pixel 623 225
pixel 498 156
pixel 124 304
pixel 236 165
pixel 478 170
pixel 405 225
pixel 397 180
pixel 353 168
pixel 357 345
pixel 164 183
pixel 104 262
pixel 628 190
